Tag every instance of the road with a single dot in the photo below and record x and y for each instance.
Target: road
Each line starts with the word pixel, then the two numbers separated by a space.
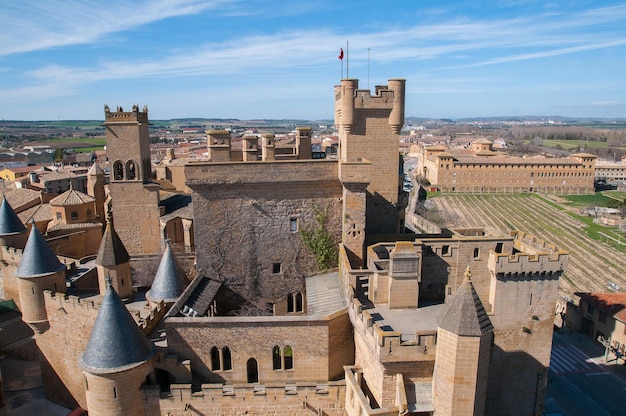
pixel 581 383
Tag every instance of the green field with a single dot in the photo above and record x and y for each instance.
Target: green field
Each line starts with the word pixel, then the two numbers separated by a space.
pixel 594 259
pixel 80 145
pixel 597 200
pixel 573 144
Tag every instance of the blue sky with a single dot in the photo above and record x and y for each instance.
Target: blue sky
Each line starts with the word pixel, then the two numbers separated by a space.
pixel 278 59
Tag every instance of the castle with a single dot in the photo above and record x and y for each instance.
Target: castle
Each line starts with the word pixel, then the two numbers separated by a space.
pixel 454 323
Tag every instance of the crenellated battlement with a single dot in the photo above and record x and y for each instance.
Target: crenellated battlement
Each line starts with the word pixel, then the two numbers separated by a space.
pixel 527 264
pixel 528 243
pixel 276 398
pixel 350 100
pixel 121 116
pixel 71 303
pixel 12 255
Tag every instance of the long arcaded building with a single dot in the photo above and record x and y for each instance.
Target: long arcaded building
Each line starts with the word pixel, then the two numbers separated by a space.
pixel 481 169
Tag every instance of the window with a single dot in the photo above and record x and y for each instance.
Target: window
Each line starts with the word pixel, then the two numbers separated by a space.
pixel 74 215
pixel 290 307
pixel 276 358
pixel 226 357
pixel 288 358
pixel 293 225
pixel 118 170
pixel 602 317
pixel 215 359
pixel 276 268
pixel 89 213
pixel 498 248
pixel 130 170
pixel 298 302
pixel 590 309
pixel 58 215
pixel 445 250
pixel 476 253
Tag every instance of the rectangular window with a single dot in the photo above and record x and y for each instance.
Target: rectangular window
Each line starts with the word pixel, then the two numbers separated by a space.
pixel 276 268
pixel 445 250
pixel 293 225
pixel 602 318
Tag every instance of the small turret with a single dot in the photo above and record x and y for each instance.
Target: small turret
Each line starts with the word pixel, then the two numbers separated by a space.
pixel 39 270
pixel 95 188
pixel 116 361
pixel 12 232
pixel 464 342
pixel 169 281
pixel 114 261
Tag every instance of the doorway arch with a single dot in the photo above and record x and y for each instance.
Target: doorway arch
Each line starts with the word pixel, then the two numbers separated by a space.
pixel 252 368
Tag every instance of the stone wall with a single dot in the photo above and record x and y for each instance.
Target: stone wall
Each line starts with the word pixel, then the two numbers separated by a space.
pixel 247 218
pixel 297 399
pixel 255 338
pixel 136 216
pixel 71 320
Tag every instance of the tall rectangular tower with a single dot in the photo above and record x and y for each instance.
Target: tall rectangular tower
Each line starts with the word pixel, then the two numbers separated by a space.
pixel 369 127
pixel 135 198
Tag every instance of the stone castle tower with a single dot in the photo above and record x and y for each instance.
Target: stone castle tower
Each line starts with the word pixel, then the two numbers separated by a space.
pixel 116 361
pixel 464 338
pixel 113 262
pixel 13 236
pixel 95 189
pixel 39 270
pixel 369 127
pixel 369 161
pixel 135 198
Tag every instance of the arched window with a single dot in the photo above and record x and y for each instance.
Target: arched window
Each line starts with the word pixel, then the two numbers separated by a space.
pixel 228 363
pixel 215 359
pixel 476 252
pixel 290 306
pixel 118 171
pixel 74 215
pixel 276 358
pixel 298 302
pixel 131 170
pixel 288 352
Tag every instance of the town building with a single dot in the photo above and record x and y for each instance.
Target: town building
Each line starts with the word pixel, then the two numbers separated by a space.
pixel 479 168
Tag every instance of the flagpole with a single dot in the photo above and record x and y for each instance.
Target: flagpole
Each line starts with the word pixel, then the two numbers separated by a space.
pixel 368 68
pixel 347 61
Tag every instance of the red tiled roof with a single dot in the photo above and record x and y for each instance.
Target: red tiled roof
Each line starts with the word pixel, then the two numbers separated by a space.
pixel 613 304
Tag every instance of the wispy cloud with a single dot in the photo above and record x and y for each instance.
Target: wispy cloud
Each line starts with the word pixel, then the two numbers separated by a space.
pixel 36 25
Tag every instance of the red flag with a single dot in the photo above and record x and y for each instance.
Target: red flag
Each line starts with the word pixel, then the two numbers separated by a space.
pixel 340 54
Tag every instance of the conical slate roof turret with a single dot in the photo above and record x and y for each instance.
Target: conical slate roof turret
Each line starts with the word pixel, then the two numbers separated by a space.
pixel 112 251
pixel 465 314
pixel 169 281
pixel 9 221
pixel 38 258
pixel 116 342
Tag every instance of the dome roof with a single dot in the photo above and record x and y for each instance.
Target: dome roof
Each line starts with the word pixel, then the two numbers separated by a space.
pixel 169 281
pixel 38 258
pixel 116 342
pixel 9 221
